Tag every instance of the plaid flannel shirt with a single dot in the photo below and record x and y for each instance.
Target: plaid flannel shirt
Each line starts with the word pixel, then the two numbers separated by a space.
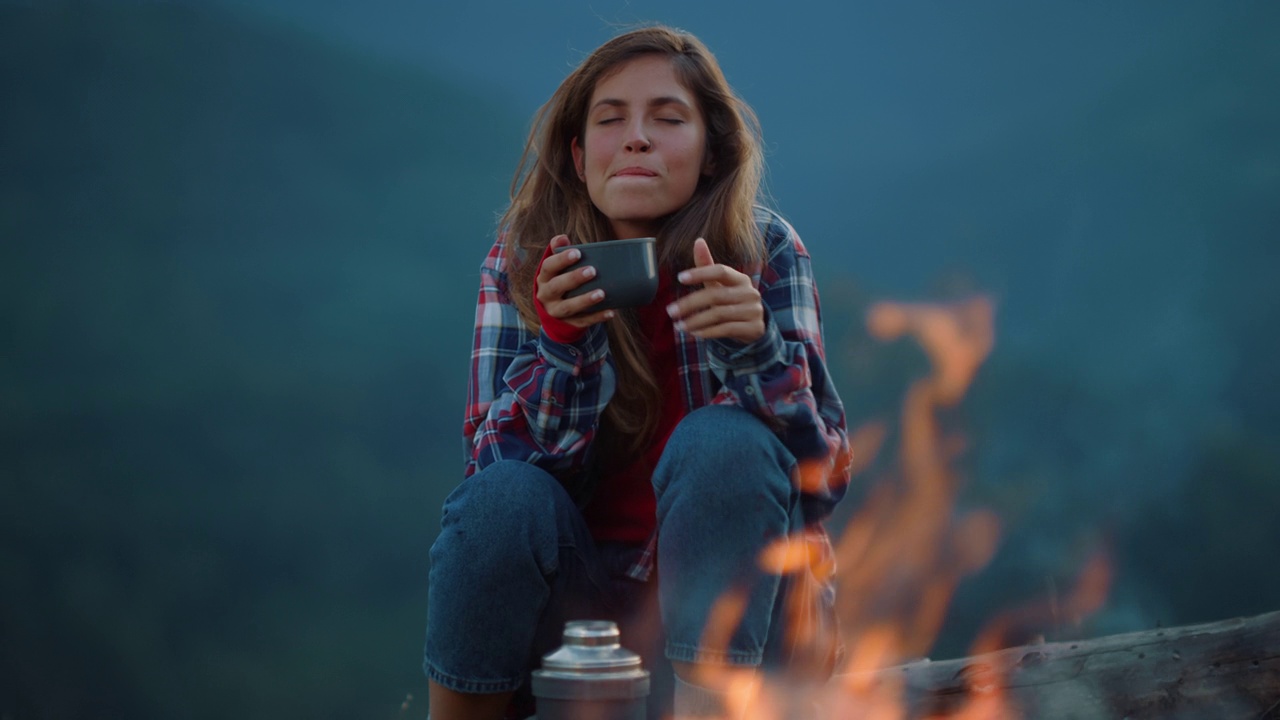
pixel 533 399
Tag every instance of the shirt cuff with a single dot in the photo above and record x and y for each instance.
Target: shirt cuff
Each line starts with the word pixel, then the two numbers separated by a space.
pixel 555 328
pixel 591 348
pixel 741 358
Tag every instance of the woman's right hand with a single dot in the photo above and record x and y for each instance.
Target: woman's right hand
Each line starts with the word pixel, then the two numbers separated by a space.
pixel 554 282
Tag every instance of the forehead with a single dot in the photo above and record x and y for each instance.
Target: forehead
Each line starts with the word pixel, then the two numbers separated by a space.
pixel 640 79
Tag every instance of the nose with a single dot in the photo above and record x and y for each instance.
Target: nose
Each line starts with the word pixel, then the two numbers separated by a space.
pixel 637 140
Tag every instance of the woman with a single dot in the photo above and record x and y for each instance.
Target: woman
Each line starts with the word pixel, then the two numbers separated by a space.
pixel 610 448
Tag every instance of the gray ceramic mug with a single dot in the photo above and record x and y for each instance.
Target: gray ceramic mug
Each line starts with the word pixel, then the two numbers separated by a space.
pixel 627 271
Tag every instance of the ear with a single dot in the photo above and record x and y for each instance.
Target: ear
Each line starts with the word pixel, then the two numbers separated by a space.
pixel 576 149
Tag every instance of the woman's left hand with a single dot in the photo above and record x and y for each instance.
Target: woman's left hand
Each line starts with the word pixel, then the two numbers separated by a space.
pixel 728 305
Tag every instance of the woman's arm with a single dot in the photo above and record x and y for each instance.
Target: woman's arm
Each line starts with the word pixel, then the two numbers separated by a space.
pixel 530 398
pixel 782 377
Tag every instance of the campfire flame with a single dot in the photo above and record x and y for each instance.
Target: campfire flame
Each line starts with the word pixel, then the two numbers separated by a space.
pixel 900 557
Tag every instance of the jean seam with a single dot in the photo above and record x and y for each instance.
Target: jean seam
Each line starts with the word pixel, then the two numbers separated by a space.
pixel 691 653
pixel 467 685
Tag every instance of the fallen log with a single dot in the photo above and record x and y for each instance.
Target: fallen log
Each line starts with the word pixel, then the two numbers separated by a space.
pixel 1214 671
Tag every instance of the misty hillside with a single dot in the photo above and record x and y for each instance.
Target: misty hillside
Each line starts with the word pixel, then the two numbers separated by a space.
pixel 236 346
pixel 238 270
pixel 1130 245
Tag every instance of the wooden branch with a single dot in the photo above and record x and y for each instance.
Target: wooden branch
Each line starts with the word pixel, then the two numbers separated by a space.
pixel 1215 671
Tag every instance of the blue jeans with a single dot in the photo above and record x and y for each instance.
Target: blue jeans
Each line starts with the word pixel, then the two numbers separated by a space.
pixel 514 560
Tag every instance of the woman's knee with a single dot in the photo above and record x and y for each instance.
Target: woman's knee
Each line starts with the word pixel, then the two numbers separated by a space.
pixel 721 444
pixel 508 507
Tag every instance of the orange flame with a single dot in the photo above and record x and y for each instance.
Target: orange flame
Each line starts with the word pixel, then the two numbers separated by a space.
pixel 902 554
pixel 1086 598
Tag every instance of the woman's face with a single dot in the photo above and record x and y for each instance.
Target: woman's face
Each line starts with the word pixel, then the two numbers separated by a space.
pixel 644 146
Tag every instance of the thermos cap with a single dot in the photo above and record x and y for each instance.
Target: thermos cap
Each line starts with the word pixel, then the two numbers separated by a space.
pixel 591 667
pixel 590 646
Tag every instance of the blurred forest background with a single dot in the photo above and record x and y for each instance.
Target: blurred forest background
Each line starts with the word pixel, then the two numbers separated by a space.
pixel 239 250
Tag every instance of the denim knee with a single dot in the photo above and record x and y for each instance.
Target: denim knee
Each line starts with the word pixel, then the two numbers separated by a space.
pixel 718 445
pixel 491 569
pixel 507 508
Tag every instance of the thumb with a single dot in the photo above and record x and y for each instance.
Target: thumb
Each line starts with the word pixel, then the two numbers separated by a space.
pixel 702 254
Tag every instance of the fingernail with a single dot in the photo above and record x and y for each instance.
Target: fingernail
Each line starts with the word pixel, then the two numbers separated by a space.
pixel 672 309
pixel 680 325
pixel 683 277
pixel 588 271
pixel 608 314
pixel 574 255
pixel 598 295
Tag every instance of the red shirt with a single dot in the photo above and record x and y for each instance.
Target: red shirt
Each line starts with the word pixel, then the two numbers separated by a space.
pixel 624 508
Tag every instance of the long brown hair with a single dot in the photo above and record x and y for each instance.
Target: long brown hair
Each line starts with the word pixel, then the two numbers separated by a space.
pixel 548 198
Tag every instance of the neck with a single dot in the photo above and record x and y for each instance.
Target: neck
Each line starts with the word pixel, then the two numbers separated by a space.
pixel 623 229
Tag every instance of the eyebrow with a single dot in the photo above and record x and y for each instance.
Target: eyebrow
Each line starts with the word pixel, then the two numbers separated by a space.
pixel 656 102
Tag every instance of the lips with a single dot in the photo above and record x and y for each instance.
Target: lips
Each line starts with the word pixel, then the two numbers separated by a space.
pixel 635 172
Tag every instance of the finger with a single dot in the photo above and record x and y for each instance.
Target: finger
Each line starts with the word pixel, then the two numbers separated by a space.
pixel 720 315
pixel 717 274
pixel 710 296
pixel 572 307
pixel 701 259
pixel 702 253
pixel 555 288
pixel 556 263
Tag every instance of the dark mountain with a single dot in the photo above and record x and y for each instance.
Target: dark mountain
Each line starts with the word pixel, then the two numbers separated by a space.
pixel 237 270
pixel 236 263
pixel 1131 400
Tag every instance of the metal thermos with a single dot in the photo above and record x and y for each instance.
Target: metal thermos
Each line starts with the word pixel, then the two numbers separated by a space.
pixel 591 677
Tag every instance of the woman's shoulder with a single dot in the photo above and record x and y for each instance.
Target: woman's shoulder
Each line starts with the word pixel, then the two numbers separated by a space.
pixel 780 237
pixel 497 259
